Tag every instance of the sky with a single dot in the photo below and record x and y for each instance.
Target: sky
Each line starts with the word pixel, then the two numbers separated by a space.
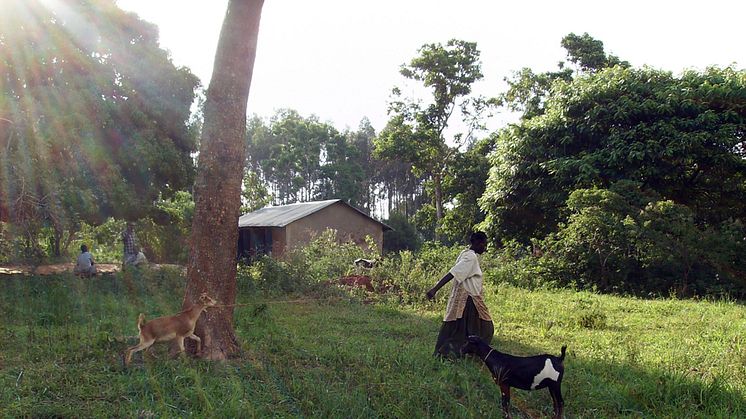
pixel 339 59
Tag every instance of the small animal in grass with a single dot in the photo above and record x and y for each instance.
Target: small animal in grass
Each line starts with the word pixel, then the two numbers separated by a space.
pixel 365 263
pixel 175 327
pixel 526 373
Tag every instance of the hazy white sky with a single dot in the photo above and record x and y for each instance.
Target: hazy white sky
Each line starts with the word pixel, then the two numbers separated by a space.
pixel 339 59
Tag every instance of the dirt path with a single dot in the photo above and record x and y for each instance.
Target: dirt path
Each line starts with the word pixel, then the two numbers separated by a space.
pixel 29 270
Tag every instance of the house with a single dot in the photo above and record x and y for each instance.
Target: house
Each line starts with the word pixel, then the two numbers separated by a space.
pixel 275 230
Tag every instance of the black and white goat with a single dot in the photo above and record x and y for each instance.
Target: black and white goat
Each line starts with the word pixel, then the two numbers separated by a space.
pixel 526 373
pixel 365 263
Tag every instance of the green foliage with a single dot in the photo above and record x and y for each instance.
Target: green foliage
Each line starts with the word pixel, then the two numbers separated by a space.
pixel 254 194
pixel 306 269
pixel 626 178
pixel 527 91
pixel 677 136
pixel 514 264
pixel 103 241
pixel 595 246
pixel 413 274
pixel 6 244
pixel 301 159
pixel 462 188
pixel 611 244
pixel 403 236
pixel 415 133
pixel 588 53
pixel 95 118
pixel 590 314
pixel 165 236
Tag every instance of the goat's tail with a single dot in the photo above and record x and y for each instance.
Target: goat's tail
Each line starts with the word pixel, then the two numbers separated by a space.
pixel 562 352
pixel 140 321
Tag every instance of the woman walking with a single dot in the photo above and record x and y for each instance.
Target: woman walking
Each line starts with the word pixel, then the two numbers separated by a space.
pixel 466 314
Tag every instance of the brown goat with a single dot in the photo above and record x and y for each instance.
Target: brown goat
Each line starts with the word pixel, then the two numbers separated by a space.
pixel 176 327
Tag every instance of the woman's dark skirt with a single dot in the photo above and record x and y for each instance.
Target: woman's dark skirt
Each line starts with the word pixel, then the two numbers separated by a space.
pixel 453 334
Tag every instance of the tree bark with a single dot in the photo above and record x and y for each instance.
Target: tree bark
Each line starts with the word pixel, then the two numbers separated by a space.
pixel 217 187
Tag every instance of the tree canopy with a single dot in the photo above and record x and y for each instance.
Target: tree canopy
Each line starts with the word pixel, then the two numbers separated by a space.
pixel 95 115
pixel 415 134
pixel 681 137
pixel 302 159
pixel 624 178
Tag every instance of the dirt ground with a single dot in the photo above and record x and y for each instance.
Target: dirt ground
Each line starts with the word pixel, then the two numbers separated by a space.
pixel 29 270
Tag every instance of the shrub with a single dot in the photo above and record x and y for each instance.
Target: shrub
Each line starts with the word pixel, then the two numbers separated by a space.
pixel 305 269
pixel 403 236
pixel 621 243
pixel 412 274
pixel 590 315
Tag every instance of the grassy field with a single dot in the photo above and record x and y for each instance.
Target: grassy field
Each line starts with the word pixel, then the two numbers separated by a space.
pixel 62 339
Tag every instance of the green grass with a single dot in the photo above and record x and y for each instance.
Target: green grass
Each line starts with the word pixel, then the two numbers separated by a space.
pixel 62 340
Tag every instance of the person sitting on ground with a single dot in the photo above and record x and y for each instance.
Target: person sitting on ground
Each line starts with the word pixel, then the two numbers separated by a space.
pixel 85 266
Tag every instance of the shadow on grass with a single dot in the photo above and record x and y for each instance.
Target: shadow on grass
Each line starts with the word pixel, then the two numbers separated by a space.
pixel 392 348
pixel 334 358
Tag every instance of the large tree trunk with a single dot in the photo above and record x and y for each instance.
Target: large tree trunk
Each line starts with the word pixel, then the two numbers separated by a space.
pixel 217 188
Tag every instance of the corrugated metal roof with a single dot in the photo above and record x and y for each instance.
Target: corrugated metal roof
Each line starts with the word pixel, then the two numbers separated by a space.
pixel 282 215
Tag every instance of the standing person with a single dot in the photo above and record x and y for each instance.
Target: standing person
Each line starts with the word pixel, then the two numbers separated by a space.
pixel 466 314
pixel 85 266
pixel 132 254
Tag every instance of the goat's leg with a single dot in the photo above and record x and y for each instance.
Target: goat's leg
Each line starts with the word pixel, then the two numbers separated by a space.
pixel 559 404
pixel 180 342
pixel 198 340
pixel 144 344
pixel 505 392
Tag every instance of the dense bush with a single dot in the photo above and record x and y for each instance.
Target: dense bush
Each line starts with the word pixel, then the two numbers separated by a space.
pixel 307 269
pixel 613 243
pixel 581 255
pixel 163 237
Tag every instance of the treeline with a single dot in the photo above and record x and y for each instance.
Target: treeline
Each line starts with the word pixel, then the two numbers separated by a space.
pixel 300 159
pixel 292 158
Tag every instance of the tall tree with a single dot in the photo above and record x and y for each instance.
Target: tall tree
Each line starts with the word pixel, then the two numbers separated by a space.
pixel 463 187
pixel 254 194
pixel 96 113
pixel 217 189
pixel 361 143
pixel 416 133
pixel 287 153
